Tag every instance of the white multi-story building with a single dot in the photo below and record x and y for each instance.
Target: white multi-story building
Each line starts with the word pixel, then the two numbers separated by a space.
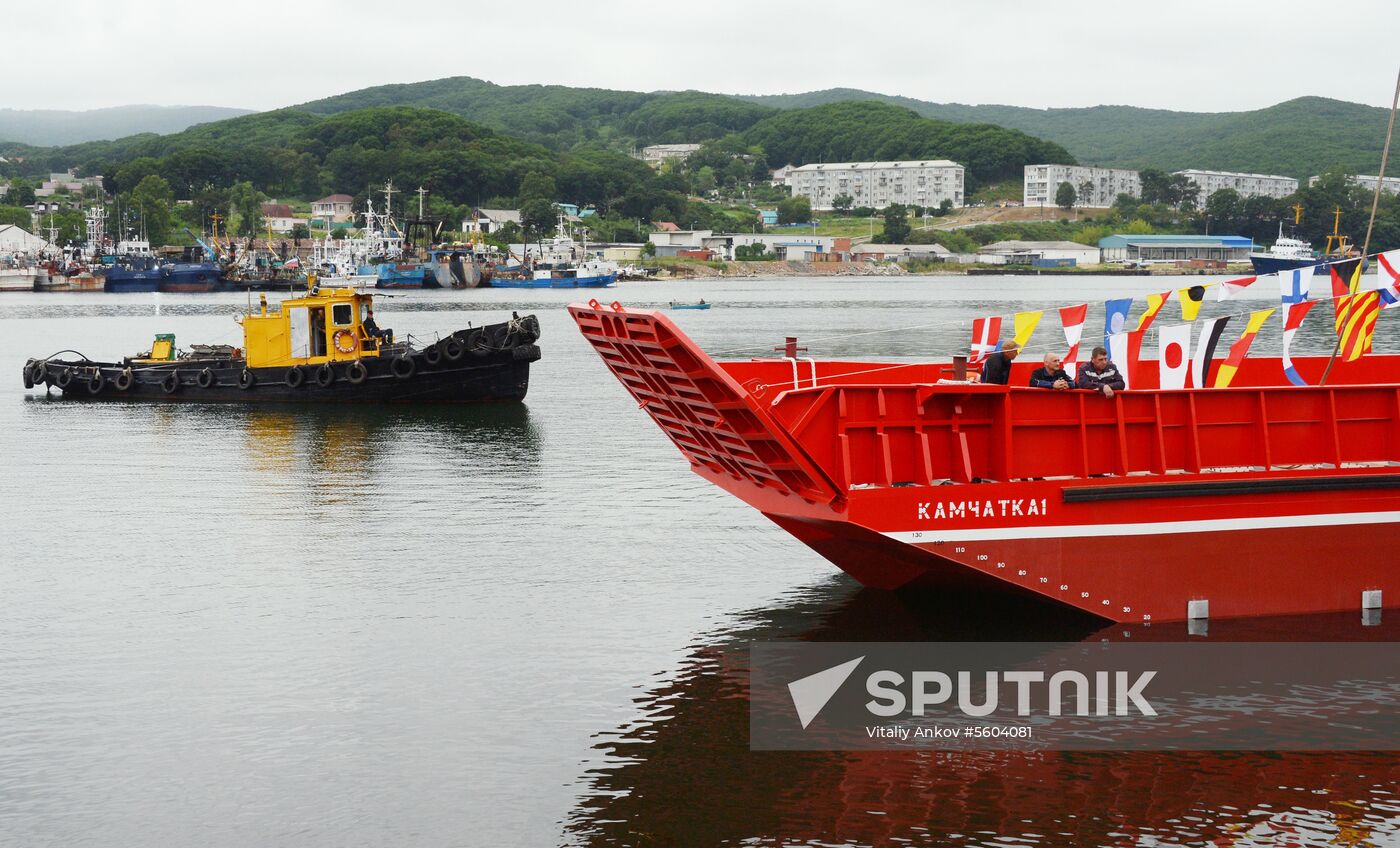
pixel 1247 185
pixel 1096 187
pixel 1391 184
pixel 655 154
pixel 878 184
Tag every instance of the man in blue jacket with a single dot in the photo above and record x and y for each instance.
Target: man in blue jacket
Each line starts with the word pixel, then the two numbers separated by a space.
pixel 1100 374
pixel 1051 375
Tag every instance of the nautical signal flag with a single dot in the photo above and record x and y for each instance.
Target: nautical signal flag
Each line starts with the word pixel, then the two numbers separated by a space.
pixel 986 336
pixel 1124 349
pixel 1388 278
pixel 1346 276
pixel 1072 319
pixel 1293 284
pixel 1357 315
pixel 1232 288
pixel 1115 319
pixel 1173 356
pixel 1155 302
pixel 1025 326
pixel 1292 320
pixel 1191 300
pixel 1240 349
pixel 1211 331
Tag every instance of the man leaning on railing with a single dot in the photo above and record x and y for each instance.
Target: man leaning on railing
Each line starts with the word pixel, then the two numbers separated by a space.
pixel 1100 374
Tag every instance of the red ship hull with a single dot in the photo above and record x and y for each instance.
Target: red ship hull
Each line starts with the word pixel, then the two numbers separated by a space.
pixel 1259 499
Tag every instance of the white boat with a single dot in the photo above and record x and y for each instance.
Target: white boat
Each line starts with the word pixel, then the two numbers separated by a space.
pixel 17 276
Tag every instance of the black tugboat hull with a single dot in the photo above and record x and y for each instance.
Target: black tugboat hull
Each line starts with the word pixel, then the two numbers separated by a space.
pixel 446 372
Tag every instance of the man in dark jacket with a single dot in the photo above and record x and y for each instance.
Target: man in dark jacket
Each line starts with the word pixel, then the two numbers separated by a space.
pixel 1051 375
pixel 998 368
pixel 1100 374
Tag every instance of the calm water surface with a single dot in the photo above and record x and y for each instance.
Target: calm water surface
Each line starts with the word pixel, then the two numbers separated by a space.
pixel 511 625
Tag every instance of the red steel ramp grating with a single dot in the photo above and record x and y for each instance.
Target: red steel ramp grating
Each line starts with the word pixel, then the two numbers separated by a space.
pixel 705 412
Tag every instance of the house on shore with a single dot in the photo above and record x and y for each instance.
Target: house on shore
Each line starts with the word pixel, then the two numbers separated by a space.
pixel 337 208
pixel 486 221
pixel 1038 253
pixel 279 217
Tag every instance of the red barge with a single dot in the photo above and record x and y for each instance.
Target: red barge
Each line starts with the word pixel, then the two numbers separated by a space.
pixel 1263 498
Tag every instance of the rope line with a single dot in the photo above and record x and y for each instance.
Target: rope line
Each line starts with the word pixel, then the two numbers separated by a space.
pixel 1048 346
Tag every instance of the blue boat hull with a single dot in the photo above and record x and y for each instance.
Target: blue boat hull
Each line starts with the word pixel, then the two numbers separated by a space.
pixel 600 282
pixel 1271 265
pixel 125 282
pixel 193 277
pixel 179 278
pixel 394 277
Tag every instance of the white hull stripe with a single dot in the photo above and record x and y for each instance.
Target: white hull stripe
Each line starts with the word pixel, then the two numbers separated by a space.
pixel 1158 528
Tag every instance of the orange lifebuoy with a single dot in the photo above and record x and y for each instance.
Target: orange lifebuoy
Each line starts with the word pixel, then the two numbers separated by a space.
pixel 349 337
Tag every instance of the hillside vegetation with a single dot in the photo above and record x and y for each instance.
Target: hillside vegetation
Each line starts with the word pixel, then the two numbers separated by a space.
pixel 299 153
pixel 863 131
pixel 1297 138
pixel 561 116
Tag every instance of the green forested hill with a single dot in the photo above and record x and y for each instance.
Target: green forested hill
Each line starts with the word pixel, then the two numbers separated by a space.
pixel 560 116
pixel 298 152
pixel 1301 137
pixel 861 131
pixel 1298 138
pixel 295 153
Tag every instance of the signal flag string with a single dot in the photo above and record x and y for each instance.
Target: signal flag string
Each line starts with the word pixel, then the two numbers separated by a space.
pixel 963 322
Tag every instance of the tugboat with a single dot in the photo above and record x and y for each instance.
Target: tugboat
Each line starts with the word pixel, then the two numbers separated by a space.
pixel 322 347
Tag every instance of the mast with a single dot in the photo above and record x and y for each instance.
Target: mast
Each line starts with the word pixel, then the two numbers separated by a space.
pixel 388 200
pixel 1375 203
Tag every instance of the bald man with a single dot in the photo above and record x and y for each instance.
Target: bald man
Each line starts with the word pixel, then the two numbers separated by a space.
pixel 1051 376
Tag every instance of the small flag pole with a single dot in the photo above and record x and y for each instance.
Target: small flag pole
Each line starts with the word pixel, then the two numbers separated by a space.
pixel 1375 204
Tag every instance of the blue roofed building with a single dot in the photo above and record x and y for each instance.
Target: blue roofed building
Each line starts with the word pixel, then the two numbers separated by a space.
pixel 768 217
pixel 1174 248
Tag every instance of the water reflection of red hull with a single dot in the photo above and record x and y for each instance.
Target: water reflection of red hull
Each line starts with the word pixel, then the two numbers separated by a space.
pixel 1262 499
pixel 684 775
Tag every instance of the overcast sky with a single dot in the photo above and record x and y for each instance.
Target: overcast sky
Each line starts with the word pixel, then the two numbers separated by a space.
pixel 1191 55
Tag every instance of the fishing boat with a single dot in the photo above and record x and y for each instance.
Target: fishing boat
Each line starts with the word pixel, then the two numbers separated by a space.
pixel 1263 498
pixel 590 274
pixel 1285 254
pixel 701 305
pixel 561 263
pixel 1289 252
pixel 323 346
pixel 130 273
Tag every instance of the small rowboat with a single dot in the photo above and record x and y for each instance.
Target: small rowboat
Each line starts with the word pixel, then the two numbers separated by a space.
pixel 701 305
